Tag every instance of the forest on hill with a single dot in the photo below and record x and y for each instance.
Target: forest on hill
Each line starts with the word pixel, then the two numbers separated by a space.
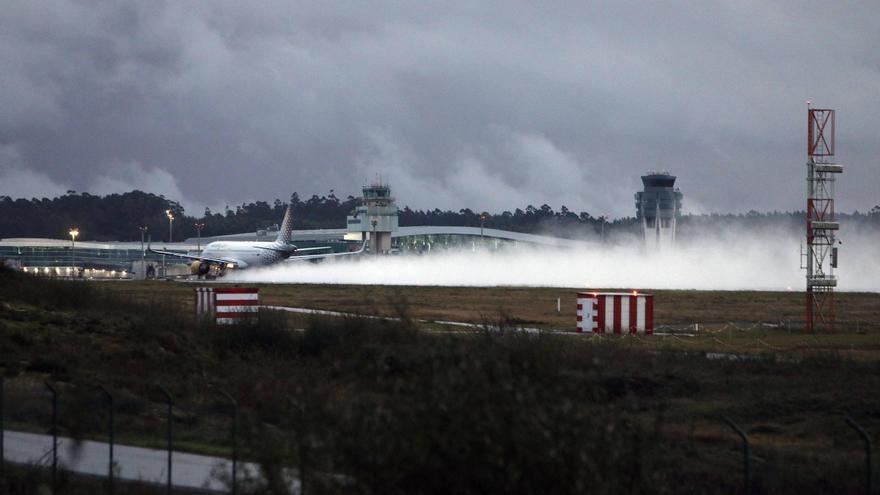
pixel 120 216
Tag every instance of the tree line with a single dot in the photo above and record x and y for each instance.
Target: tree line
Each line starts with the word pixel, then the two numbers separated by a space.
pixel 121 217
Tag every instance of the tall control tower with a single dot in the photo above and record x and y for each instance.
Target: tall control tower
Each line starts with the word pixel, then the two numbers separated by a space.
pixel 658 206
pixel 376 217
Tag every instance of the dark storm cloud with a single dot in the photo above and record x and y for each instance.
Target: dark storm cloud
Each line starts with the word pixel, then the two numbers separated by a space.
pixel 489 106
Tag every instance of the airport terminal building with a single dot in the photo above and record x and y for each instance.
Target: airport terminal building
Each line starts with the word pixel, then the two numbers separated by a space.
pixel 374 222
pixel 63 258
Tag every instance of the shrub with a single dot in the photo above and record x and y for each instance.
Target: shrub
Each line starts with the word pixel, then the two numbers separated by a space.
pixel 268 332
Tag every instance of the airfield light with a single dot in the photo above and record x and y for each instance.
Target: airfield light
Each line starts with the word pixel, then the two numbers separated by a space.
pixel 635 292
pixel 170 216
pixel 199 227
pixel 73 233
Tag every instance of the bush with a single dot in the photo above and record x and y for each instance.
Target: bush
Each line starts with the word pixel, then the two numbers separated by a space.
pixel 268 332
pixel 348 334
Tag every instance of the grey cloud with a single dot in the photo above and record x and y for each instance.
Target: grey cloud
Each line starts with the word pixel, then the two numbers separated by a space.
pixel 487 106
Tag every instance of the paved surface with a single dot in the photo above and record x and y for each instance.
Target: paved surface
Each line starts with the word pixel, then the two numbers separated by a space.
pixel 474 326
pixel 132 463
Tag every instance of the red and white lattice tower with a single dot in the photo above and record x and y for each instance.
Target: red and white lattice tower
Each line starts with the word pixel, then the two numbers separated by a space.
pixel 821 254
pixel 615 312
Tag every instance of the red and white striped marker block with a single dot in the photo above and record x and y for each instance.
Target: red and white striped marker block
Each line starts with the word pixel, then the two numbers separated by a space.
pixel 228 305
pixel 615 312
pixel 204 302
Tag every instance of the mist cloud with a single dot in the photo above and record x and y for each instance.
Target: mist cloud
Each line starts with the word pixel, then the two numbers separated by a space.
pixel 732 260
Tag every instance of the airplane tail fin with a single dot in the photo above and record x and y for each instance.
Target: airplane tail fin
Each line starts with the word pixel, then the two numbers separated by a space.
pixel 285 233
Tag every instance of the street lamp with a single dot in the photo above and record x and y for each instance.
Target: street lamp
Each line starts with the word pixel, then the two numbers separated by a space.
pixel 170 216
pixel 482 221
pixel 143 229
pixel 199 227
pixel 73 233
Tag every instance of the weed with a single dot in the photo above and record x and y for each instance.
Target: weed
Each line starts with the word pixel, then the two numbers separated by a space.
pixel 267 333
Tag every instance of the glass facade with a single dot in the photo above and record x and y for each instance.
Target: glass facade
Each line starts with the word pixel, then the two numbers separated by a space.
pixel 57 256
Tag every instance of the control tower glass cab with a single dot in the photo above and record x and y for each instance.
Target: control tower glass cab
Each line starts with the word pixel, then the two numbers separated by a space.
pixel 658 207
pixel 376 217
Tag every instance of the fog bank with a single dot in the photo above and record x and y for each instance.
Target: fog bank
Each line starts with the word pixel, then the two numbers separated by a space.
pixel 728 262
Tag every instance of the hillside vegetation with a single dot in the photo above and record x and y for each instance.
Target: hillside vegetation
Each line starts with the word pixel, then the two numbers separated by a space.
pixel 119 216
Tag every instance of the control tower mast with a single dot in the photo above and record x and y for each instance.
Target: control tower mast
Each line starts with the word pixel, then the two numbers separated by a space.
pixel 658 207
pixel 376 217
pixel 821 226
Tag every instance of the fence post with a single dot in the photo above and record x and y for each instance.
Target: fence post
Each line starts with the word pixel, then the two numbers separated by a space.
pixel 300 407
pixel 747 453
pixel 170 444
pixel 2 434
pixel 869 446
pixel 109 397
pixel 54 435
pixel 234 438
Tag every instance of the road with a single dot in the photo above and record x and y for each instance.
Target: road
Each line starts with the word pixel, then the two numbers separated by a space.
pixel 132 463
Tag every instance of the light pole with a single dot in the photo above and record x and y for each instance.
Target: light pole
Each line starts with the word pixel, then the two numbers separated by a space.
pixel 73 233
pixel 143 229
pixel 199 227
pixel 170 216
pixel 482 221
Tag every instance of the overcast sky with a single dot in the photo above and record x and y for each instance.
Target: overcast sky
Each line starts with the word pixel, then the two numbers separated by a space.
pixel 489 105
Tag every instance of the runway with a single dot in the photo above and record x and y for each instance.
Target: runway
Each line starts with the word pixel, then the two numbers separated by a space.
pixel 190 471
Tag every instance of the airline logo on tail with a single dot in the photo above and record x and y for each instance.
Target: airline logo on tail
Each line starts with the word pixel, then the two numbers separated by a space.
pixel 285 234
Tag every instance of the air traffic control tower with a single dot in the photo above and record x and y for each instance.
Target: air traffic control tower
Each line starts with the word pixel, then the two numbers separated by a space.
pixel 376 217
pixel 658 206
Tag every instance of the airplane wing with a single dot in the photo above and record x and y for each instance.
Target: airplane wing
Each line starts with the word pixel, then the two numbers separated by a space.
pixel 194 257
pixel 280 250
pixel 328 255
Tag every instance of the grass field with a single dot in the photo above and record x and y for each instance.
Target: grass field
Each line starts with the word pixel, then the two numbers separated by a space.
pixel 398 407
pixel 535 306
pixel 726 321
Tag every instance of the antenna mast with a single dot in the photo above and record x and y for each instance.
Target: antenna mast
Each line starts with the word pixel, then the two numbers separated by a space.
pixel 821 225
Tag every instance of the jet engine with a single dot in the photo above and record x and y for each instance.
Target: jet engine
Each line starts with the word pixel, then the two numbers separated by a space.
pixel 200 268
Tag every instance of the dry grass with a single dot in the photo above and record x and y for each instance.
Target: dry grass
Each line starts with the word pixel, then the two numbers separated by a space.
pixel 536 306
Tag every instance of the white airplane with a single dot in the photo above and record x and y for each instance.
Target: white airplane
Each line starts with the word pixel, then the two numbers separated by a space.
pixel 219 256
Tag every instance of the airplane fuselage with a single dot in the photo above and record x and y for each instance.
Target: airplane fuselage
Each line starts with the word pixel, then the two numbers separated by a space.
pixel 249 253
